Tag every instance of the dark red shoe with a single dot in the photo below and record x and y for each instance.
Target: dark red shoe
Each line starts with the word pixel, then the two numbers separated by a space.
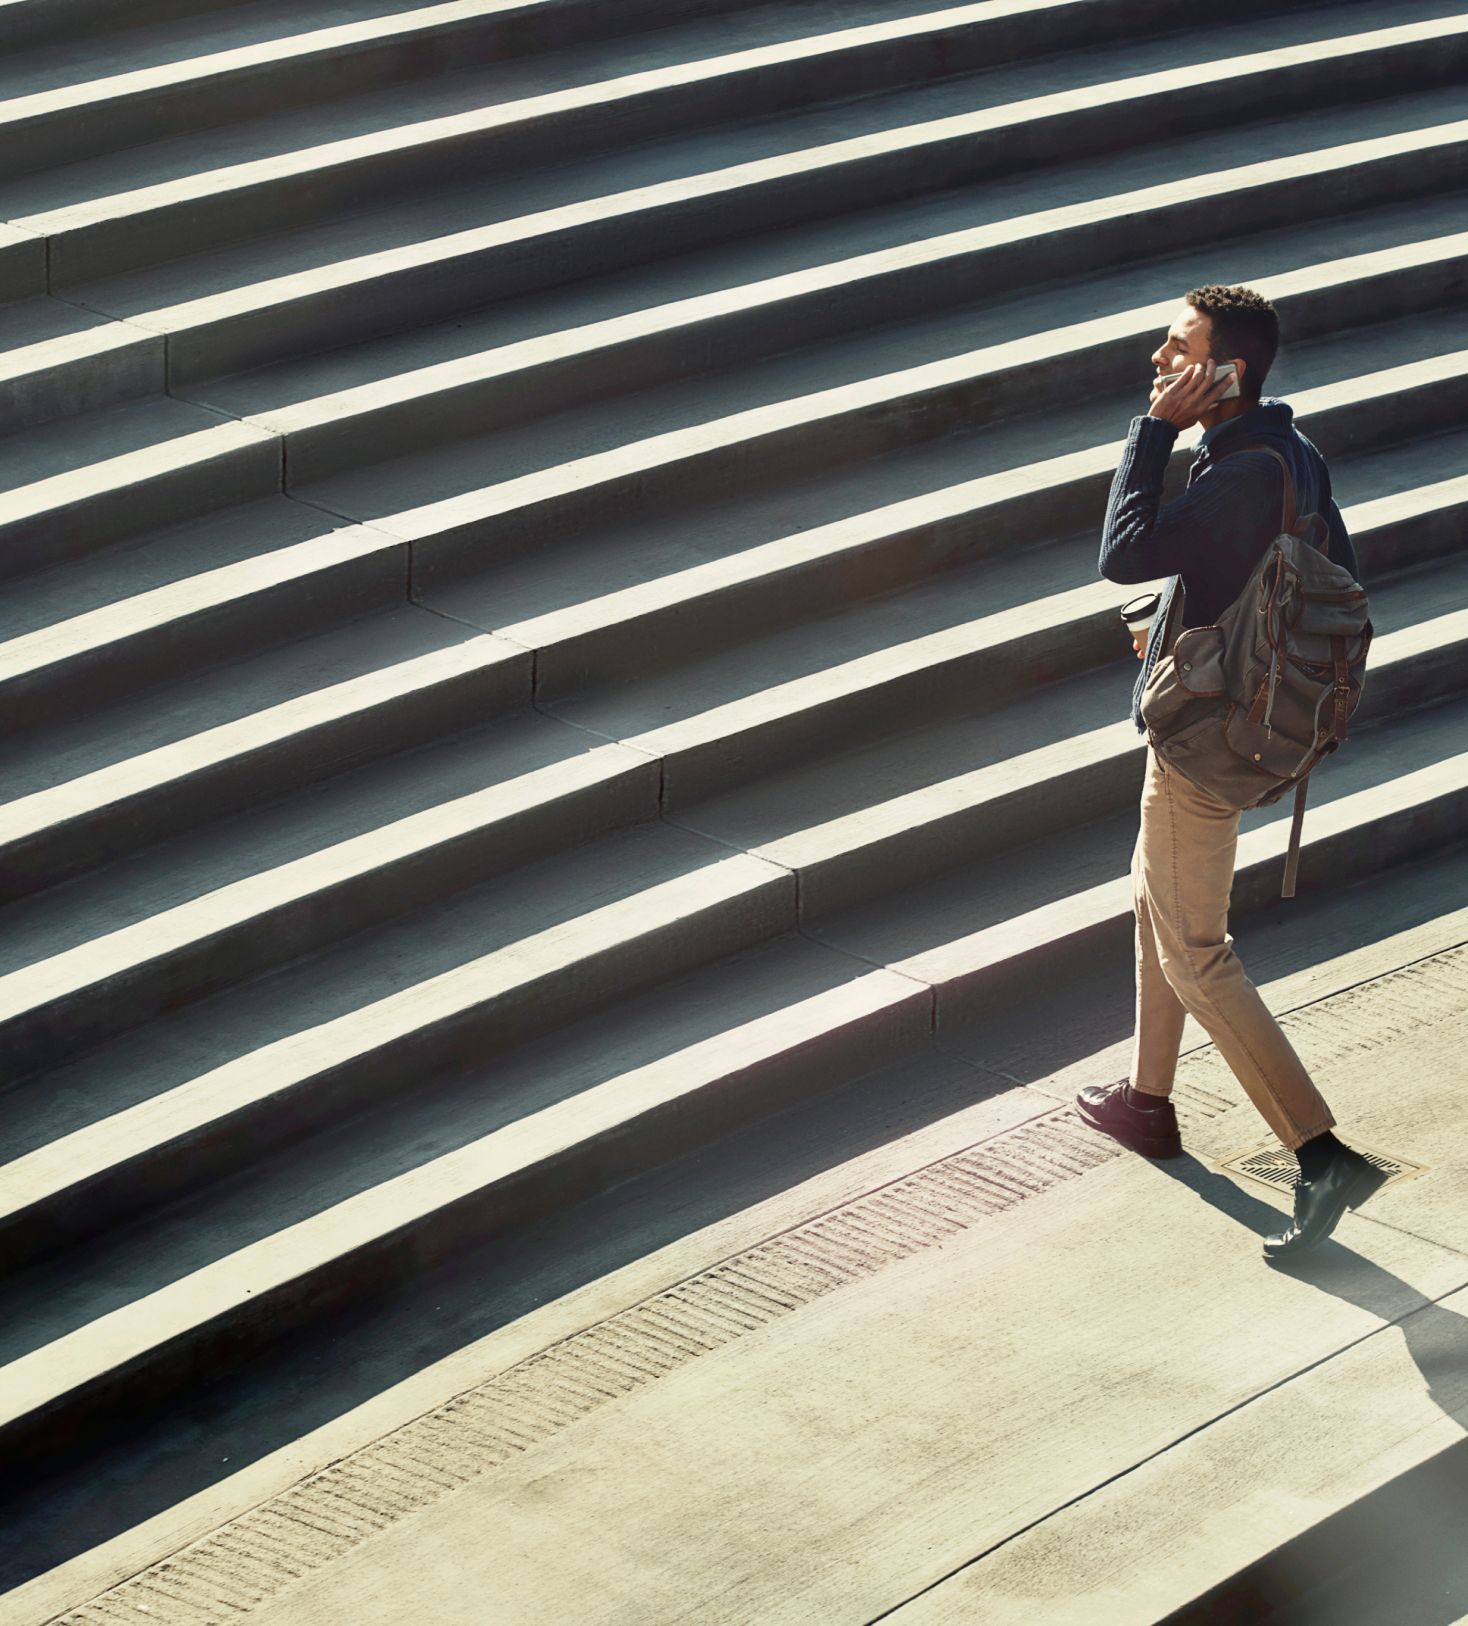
pixel 1152 1131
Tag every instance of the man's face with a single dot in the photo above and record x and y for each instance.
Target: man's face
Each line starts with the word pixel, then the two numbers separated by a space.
pixel 1188 340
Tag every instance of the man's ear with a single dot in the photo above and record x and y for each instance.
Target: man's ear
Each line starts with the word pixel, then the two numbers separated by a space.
pixel 1242 367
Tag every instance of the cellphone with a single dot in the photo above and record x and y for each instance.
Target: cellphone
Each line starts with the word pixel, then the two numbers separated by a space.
pixel 1225 369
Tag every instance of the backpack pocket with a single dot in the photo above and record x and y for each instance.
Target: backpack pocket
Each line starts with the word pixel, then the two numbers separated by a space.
pixel 1198 658
pixel 1272 752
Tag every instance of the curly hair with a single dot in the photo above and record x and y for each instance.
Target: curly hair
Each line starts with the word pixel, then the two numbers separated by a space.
pixel 1244 324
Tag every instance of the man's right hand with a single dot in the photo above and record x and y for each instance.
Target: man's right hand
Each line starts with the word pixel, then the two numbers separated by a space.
pixel 1139 643
pixel 1194 391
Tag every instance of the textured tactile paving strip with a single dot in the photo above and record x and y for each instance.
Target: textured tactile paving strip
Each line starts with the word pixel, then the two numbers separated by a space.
pixel 238 1566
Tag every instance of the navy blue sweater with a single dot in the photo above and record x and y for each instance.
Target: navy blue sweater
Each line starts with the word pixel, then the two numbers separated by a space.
pixel 1212 536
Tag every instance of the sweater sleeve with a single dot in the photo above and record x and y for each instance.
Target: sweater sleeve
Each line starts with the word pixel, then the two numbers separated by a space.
pixel 1143 539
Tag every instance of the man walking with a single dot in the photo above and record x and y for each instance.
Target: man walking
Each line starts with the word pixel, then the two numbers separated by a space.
pixel 1211 538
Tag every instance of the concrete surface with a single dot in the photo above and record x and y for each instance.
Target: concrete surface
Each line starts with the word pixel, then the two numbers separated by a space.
pixel 564 758
pixel 938 1427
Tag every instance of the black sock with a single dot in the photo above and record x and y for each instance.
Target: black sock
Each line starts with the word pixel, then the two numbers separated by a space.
pixel 1146 1103
pixel 1316 1153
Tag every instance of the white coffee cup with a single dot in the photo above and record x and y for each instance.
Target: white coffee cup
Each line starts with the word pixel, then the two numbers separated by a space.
pixel 1138 612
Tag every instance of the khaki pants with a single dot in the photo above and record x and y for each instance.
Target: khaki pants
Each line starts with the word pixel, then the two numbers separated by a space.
pixel 1182 875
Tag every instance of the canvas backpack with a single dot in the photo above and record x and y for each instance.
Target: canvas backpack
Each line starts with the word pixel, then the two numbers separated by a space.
pixel 1247 706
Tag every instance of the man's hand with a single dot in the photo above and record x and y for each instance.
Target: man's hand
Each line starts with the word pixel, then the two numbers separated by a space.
pixel 1195 389
pixel 1139 643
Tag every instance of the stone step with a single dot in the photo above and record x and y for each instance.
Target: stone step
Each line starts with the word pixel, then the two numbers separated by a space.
pixel 410 399
pixel 157 762
pixel 817 414
pixel 193 74
pixel 136 612
pixel 1068 898
pixel 155 767
pixel 696 185
pixel 449 252
pixel 69 488
pixel 69 982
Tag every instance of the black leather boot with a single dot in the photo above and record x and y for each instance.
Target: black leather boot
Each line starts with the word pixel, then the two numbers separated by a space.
pixel 1152 1131
pixel 1320 1203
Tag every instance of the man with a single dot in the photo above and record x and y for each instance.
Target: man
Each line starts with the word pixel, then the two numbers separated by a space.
pixel 1210 539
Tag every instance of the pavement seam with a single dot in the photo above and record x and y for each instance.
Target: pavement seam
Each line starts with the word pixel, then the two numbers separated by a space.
pixel 1172 1445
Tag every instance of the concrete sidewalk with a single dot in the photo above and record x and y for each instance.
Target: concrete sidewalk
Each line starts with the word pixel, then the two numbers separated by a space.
pixel 999 1370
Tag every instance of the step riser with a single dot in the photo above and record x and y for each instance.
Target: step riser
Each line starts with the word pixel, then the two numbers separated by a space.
pixel 1422 410
pixel 1028 814
pixel 199 1156
pixel 257 90
pixel 92 1015
pixel 89 1016
pixel 943 688
pixel 71 530
pixel 22 264
pixel 41 22
pixel 462 700
pixel 861 434
pixel 1335 862
pixel 74 1425
pixel 534 26
pixel 666 637
pixel 101 248
pixel 663 638
pixel 208 637
pixel 1049 806
pixel 1407 543
pixel 65 388
pixel 484 405
pixel 1405 686
pixel 443 288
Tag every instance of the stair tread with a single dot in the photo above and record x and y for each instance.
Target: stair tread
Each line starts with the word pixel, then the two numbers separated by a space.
pixel 175 42
pixel 926 919
pixel 55 754
pixel 529 587
pixel 215 854
pixel 447 210
pixel 706 1003
pixel 399 106
pixel 1063 869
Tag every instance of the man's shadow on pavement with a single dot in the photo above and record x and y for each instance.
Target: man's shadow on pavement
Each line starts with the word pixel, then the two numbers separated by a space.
pixel 1399 1553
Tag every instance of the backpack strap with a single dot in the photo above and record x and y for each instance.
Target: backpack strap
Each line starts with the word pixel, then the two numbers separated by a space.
pixel 1289 516
pixel 1292 857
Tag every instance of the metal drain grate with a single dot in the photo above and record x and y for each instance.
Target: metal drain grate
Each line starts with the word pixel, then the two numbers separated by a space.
pixel 1273 1166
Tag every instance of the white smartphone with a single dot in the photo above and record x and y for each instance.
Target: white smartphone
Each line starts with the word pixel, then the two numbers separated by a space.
pixel 1226 369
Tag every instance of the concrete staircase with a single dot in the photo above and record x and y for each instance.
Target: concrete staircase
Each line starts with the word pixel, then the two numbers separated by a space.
pixel 550 599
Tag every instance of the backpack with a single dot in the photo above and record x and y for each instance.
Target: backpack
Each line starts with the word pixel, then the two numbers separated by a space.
pixel 1246 707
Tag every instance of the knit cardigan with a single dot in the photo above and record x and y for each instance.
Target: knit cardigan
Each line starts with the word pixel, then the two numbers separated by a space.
pixel 1213 535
